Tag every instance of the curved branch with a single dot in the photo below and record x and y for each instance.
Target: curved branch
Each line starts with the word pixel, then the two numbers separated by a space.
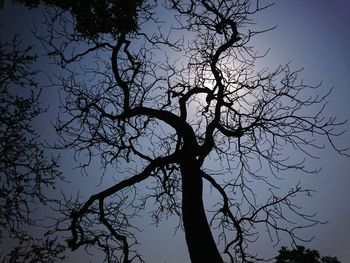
pixel 227 212
pixel 75 215
pixel 122 84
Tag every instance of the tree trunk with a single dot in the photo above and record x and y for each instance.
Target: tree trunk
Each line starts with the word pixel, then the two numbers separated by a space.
pixel 200 242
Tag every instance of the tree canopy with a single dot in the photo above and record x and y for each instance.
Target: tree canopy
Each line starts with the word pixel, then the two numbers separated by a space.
pixel 26 172
pixel 94 18
pixel 302 255
pixel 167 97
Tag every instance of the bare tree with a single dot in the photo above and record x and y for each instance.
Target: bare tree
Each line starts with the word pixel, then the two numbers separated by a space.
pixel 160 103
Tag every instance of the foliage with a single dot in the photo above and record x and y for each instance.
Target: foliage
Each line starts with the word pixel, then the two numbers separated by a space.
pixel 40 250
pixel 302 255
pixel 25 172
pixel 97 17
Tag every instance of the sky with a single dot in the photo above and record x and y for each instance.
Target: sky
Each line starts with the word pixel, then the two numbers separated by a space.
pixel 315 35
pixel 312 34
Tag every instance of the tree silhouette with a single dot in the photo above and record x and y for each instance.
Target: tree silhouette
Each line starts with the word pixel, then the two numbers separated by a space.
pixel 302 255
pixel 160 103
pixel 25 171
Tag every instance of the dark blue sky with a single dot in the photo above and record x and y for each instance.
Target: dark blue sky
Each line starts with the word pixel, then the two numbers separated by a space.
pixel 314 34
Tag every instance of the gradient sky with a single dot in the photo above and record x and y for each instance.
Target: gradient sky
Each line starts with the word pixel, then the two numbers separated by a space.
pixel 313 34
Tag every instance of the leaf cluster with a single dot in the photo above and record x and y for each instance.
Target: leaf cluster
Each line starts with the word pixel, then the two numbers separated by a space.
pixel 96 17
pixel 303 255
pixel 25 171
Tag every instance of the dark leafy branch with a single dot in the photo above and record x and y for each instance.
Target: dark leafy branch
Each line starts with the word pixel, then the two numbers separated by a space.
pixel 26 172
